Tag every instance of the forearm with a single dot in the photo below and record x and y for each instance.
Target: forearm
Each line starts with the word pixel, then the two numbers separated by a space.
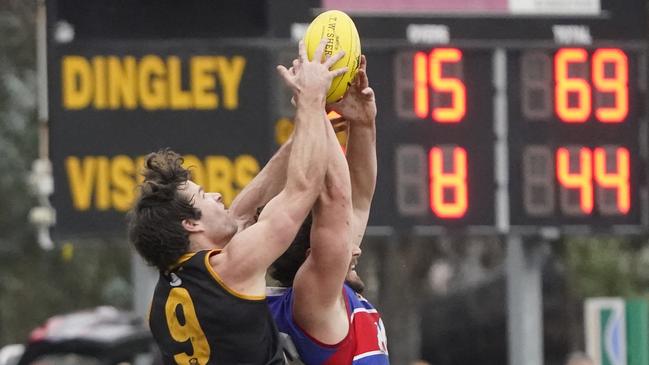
pixel 333 212
pixel 267 184
pixel 337 178
pixel 361 156
pixel 307 162
pixel 331 230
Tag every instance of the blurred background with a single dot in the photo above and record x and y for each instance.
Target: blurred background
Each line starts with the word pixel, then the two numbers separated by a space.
pixel 512 143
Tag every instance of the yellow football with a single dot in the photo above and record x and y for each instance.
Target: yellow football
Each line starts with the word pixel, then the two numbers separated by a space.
pixel 341 34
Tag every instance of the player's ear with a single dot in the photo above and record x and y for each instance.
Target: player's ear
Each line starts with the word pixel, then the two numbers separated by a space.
pixel 191 225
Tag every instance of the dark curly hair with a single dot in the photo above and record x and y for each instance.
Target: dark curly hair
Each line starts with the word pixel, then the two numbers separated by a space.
pixel 285 267
pixel 155 221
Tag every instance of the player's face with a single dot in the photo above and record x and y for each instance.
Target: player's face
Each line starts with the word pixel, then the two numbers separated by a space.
pixel 352 279
pixel 216 221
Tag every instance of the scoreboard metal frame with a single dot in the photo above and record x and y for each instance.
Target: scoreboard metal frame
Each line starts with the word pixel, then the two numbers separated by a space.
pixel 555 108
pixel 486 124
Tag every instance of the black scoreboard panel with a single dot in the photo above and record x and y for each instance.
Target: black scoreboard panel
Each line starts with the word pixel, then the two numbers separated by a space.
pixel 574 135
pixel 435 140
pixel 114 102
pixel 434 136
pixel 572 107
pixel 575 121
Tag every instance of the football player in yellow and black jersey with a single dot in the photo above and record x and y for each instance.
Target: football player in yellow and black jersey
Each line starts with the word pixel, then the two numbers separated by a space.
pixel 209 304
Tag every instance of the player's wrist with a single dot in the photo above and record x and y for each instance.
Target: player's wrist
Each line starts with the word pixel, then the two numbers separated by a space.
pixel 365 121
pixel 311 101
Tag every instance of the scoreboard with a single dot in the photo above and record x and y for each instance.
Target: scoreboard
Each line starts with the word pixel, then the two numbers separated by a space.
pixel 435 136
pixel 487 121
pixel 571 120
pixel 574 135
pixel 564 127
pixel 575 126
pixel 542 125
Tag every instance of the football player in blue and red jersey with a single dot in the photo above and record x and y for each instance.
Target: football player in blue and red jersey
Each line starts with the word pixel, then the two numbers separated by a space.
pixel 320 306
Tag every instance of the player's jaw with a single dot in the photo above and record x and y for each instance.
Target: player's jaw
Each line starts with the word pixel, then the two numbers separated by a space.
pixel 217 224
pixel 352 279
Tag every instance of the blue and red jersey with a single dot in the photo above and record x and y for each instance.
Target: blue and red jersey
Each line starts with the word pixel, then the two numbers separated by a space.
pixel 365 343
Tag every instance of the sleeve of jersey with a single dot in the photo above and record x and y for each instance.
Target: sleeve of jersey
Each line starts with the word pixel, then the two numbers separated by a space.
pixel 310 351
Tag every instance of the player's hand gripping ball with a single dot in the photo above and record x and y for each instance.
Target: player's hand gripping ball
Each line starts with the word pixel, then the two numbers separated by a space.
pixel 341 34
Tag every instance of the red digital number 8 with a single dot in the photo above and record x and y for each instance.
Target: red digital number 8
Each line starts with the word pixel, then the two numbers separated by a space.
pixel 454 182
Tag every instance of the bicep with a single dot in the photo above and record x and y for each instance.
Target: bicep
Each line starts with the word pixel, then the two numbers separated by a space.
pixel 318 305
pixel 245 204
pixel 258 246
pixel 330 256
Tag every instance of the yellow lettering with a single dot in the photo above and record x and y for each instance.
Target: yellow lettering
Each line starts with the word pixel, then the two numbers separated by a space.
pixel 283 130
pixel 122 83
pixel 139 169
pixel 122 171
pixel 102 195
pixel 179 98
pixel 99 69
pixel 81 177
pixel 151 83
pixel 219 174
pixel 202 79
pixel 103 183
pixel 230 73
pixel 77 82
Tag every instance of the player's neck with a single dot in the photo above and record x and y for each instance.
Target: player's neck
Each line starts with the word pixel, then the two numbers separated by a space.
pixel 200 242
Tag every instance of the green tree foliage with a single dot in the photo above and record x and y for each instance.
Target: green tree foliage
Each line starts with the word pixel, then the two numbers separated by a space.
pixel 35 284
pixel 611 266
pixel 607 266
pixel 18 132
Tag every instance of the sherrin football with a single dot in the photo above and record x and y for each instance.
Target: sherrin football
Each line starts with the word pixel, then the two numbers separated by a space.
pixel 341 34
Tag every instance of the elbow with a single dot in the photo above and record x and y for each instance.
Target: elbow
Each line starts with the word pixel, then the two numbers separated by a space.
pixel 316 173
pixel 337 193
pixel 303 189
pixel 308 181
pixel 304 182
pixel 338 189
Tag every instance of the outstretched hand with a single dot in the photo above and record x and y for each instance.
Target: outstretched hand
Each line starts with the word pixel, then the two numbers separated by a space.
pixel 358 105
pixel 311 77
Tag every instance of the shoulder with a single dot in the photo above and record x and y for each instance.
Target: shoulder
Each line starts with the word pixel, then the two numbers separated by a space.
pixel 278 296
pixel 209 261
pixel 280 302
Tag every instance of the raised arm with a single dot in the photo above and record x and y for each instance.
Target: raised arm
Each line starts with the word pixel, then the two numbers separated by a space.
pixel 268 182
pixel 358 107
pixel 244 260
pixel 319 307
pixel 266 185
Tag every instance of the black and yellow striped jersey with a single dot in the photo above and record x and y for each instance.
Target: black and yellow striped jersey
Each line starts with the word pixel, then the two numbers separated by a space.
pixel 197 320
